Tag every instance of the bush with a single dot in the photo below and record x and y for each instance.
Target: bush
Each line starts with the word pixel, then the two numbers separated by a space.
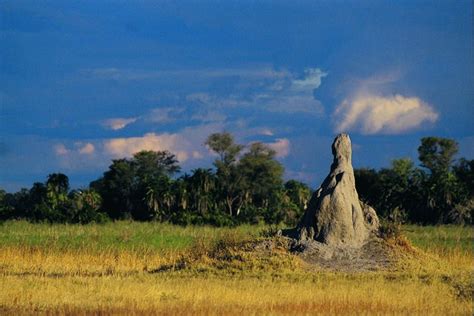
pixel 462 214
pixel 251 215
pixel 391 227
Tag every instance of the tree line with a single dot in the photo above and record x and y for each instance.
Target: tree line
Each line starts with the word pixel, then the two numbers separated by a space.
pixel 439 191
pixel 246 186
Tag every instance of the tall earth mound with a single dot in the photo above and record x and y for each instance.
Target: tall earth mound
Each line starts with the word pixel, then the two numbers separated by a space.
pixel 335 216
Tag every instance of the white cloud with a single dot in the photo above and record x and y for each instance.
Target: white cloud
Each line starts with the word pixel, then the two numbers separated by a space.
pixel 82 148
pixel 60 150
pixel 293 95
pixel 311 80
pixel 187 144
pixel 118 123
pixel 87 149
pixel 257 72
pixel 126 147
pixel 372 114
pixel 281 146
pixel 80 156
pixel 274 91
pixel 266 131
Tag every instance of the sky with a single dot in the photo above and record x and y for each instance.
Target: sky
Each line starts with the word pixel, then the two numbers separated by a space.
pixel 85 82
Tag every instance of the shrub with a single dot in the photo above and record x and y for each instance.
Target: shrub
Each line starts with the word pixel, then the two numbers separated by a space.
pixel 391 227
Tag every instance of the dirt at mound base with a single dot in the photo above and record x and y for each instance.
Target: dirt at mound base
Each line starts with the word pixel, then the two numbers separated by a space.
pixel 375 254
pixel 279 253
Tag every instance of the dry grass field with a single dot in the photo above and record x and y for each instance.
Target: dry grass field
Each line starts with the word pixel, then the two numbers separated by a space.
pixel 136 268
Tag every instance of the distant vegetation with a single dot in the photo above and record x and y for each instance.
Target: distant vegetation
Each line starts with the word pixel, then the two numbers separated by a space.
pixel 246 186
pixel 441 191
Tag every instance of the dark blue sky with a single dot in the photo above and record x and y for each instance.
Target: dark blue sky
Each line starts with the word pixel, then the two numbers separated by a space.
pixel 83 82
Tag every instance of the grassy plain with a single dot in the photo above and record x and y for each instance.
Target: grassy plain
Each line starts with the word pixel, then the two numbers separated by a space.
pixel 135 268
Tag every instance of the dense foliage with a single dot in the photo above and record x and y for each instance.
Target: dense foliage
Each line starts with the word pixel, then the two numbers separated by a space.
pixel 441 191
pixel 246 186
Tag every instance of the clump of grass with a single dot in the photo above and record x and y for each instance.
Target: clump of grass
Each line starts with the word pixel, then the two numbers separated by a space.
pixel 391 227
pixel 270 231
pixel 391 230
pixel 237 255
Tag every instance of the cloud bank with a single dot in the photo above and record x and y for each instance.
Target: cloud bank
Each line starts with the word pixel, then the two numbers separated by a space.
pixel 126 147
pixel 372 114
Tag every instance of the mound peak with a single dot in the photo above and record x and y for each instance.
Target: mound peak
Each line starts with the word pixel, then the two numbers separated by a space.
pixel 335 216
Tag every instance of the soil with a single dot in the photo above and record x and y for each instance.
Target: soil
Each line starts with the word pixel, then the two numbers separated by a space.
pixel 376 254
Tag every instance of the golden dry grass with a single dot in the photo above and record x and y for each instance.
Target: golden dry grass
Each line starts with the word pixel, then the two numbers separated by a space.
pixel 181 294
pixel 101 278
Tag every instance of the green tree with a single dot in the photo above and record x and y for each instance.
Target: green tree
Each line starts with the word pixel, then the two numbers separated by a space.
pixel 224 145
pixel 154 164
pixel 262 174
pixel 201 188
pixel 158 198
pixel 437 154
pixel 369 186
pixel 395 184
pixel 262 184
pixel 85 207
pixel 38 208
pixel 228 177
pixel 442 188
pixel 464 171
pixel 139 187
pixel 181 194
pixel 463 212
pixel 57 187
pixel 6 210
pixel 57 202
pixel 152 194
pixel 116 187
pixel 298 195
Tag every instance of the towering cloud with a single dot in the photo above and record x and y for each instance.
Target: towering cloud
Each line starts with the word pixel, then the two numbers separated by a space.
pixel 372 114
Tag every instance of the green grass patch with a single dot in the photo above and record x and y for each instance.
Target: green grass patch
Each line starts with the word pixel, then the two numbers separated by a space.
pixel 121 235
pixel 152 236
pixel 442 238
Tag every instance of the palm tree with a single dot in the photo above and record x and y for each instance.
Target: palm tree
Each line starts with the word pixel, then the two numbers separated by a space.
pixel 151 199
pixel 57 187
pixel 202 183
